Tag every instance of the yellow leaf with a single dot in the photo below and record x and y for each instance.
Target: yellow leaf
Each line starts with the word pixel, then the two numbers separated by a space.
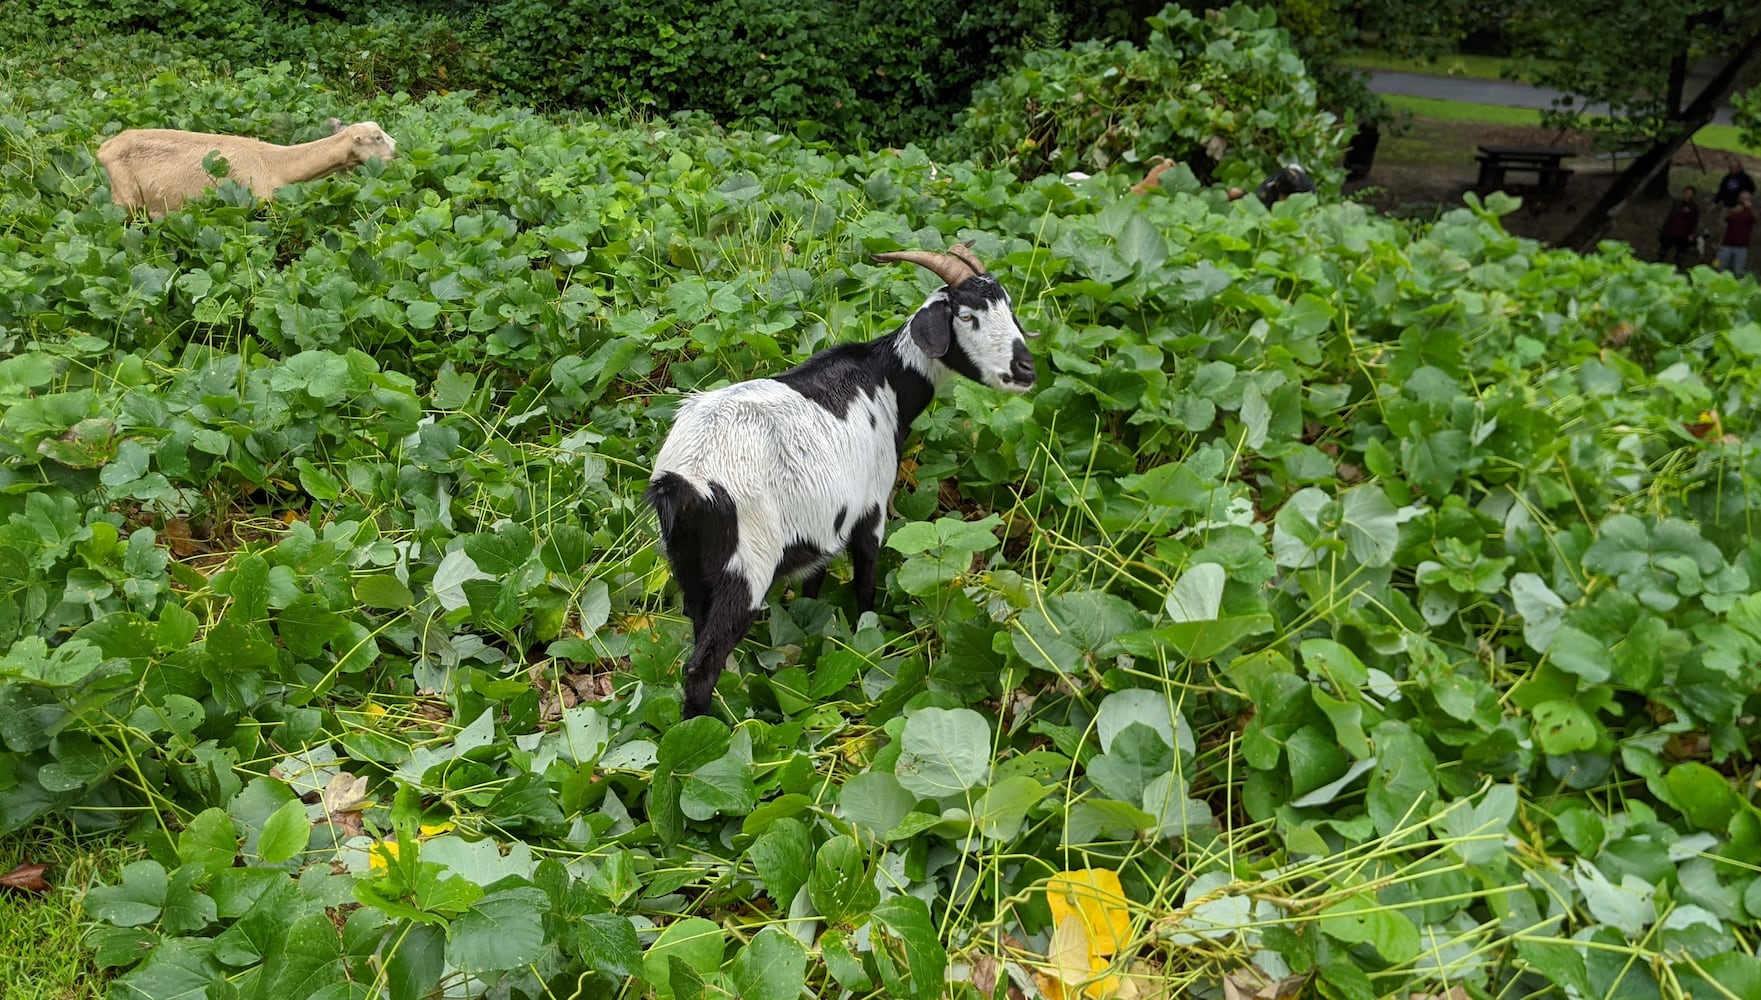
pixel 1072 962
pixel 436 829
pixel 380 855
pixel 1094 895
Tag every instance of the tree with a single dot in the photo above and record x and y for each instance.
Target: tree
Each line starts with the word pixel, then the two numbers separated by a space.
pixel 1634 56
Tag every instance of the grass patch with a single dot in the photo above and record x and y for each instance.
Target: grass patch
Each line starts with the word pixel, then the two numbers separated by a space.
pixel 1464 111
pixel 1473 67
pixel 40 952
pixel 1725 138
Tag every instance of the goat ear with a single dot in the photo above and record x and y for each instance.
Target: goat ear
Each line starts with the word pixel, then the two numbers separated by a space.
pixel 931 328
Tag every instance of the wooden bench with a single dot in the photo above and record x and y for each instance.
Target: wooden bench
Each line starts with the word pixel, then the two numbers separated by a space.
pixel 1544 161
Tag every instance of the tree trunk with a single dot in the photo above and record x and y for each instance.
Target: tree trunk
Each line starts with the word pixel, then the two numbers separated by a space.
pixel 1583 235
pixel 1658 187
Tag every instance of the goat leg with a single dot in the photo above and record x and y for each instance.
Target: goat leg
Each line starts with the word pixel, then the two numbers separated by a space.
pixel 865 539
pixel 725 622
pixel 811 583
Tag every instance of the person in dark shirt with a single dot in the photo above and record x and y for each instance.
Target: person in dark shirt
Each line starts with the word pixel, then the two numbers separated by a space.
pixel 1733 183
pixel 1676 239
pixel 1739 227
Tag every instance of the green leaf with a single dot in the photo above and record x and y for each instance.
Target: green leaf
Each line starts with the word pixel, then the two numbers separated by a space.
pixel 907 951
pixel 1704 796
pixel 1361 920
pixel 1563 727
pixel 1577 652
pixel 1476 831
pixel 384 592
pixel 209 842
pixel 1142 706
pixel 1074 630
pixel 1197 595
pixel 772 966
pixel 1003 807
pixel 841 889
pixel 414 968
pixel 1138 756
pixel 875 802
pixel 285 833
pixel 945 752
pixel 783 857
pixel 607 943
pixel 502 930
pixel 303 960
pixel 693 940
pixel 845 967
pixel 136 900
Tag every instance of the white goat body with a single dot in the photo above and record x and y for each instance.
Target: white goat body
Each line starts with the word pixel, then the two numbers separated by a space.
pixel 795 472
pixel 159 169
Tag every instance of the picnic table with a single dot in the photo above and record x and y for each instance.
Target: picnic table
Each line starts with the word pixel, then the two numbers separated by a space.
pixel 1544 161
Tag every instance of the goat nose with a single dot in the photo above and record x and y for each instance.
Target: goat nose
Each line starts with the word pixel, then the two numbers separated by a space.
pixel 1021 368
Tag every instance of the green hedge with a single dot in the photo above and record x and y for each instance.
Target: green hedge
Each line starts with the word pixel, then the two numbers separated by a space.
pixel 1225 94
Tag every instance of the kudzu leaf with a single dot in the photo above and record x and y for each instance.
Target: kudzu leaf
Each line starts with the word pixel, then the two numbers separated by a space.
pixel 1563 727
pixel 945 752
pixel 1362 920
pixel 607 943
pixel 285 833
pixel 208 843
pixel 772 966
pixel 1165 799
pixel 1626 906
pixel 1138 756
pixel 999 812
pixel 304 959
pixel 416 962
pixel 875 802
pixel 1703 795
pixel 1197 595
pixel 694 941
pixel 1142 706
pixel 502 930
pixel 907 950
pixel 383 591
pixel 841 888
pixel 135 900
pixel 783 856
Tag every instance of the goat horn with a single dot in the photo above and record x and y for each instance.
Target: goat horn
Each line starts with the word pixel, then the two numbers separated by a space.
pixel 964 252
pixel 950 269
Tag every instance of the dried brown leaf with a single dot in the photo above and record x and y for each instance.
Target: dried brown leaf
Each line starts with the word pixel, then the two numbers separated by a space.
pixel 1251 983
pixel 345 793
pixel 984 974
pixel 26 878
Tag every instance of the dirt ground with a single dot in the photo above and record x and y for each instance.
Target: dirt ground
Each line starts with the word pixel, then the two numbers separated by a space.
pixel 1426 170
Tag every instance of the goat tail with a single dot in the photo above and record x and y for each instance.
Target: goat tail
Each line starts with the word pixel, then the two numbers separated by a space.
pixel 673 499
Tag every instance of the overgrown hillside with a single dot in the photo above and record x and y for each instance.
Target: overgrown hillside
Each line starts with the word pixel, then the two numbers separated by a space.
pixel 1350 602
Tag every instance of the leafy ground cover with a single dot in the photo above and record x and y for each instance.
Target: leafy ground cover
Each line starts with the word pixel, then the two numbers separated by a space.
pixel 1357 602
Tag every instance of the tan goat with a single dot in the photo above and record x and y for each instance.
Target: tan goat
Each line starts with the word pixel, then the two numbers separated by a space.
pixel 160 168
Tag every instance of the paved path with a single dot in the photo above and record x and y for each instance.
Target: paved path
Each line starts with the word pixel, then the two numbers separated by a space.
pixel 1507 93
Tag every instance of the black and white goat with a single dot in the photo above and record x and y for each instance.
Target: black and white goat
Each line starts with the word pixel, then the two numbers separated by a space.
pixel 770 478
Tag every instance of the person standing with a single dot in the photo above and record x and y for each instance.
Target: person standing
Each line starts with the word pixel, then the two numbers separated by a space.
pixel 1739 227
pixel 1735 182
pixel 1676 238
